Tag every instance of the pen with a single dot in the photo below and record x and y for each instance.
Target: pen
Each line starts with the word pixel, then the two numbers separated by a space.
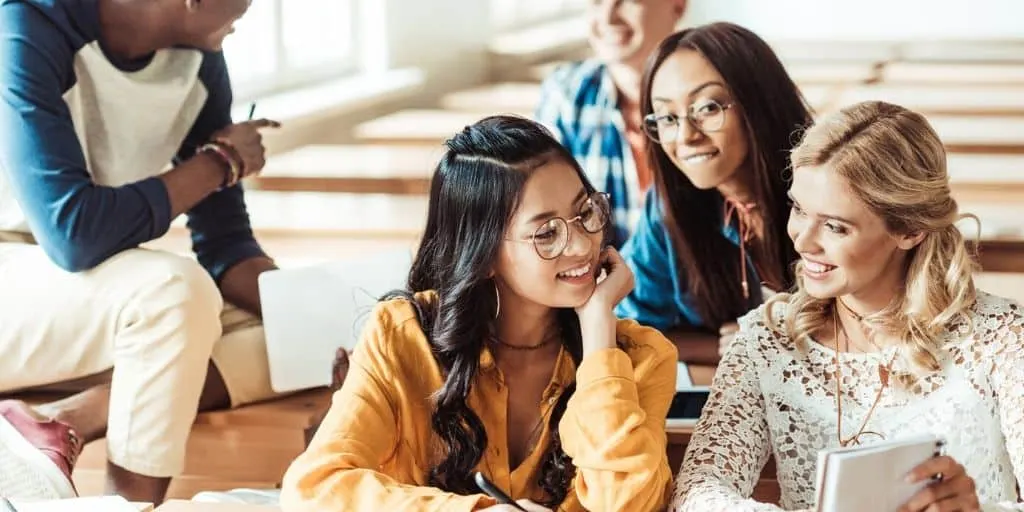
pixel 493 491
pixel 252 110
pixel 8 506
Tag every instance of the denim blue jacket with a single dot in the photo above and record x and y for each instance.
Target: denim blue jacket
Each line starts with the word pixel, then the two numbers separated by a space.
pixel 661 298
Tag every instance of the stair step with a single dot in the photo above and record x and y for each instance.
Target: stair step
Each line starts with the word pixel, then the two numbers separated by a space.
pixel 380 169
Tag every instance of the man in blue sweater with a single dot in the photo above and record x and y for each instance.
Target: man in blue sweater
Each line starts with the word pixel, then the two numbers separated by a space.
pixel 114 120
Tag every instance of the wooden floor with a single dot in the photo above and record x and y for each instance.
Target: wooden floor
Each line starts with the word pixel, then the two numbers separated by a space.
pixel 248 447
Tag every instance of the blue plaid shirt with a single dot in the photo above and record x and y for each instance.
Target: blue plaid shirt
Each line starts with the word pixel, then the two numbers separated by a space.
pixel 579 104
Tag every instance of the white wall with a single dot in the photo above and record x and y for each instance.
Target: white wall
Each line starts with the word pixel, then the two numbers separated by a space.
pixel 445 38
pixel 866 19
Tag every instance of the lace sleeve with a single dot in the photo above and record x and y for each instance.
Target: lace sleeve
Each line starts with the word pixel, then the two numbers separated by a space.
pixel 730 443
pixel 1009 389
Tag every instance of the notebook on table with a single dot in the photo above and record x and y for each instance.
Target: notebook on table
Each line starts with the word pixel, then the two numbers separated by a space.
pixel 871 477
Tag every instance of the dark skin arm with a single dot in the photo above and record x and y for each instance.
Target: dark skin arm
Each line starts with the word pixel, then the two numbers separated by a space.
pixel 194 180
pixel 240 286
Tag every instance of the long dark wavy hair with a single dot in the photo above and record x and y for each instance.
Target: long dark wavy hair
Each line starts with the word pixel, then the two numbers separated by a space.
pixel 475 190
pixel 774 113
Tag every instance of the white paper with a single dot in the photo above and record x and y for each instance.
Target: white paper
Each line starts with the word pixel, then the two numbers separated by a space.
pixel 683 381
pixel 92 503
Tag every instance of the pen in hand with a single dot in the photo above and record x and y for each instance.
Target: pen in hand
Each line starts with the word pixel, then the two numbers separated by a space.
pixel 493 491
pixel 252 110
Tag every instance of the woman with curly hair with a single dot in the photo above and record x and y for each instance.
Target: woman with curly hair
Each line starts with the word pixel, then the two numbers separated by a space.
pixel 885 336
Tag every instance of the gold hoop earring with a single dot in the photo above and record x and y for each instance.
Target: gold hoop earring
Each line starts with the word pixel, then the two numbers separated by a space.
pixel 497 301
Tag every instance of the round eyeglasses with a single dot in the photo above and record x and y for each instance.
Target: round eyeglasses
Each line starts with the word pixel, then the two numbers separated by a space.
pixel 706 116
pixel 552 237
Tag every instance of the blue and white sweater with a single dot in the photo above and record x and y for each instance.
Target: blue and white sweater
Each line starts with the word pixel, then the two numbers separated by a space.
pixel 83 137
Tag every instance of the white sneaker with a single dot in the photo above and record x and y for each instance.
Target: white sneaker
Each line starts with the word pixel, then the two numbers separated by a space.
pixel 27 472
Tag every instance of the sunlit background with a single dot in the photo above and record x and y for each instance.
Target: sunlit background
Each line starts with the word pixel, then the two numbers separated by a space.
pixel 368 90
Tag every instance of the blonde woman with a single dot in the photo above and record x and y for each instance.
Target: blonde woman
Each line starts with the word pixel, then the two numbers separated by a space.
pixel 885 335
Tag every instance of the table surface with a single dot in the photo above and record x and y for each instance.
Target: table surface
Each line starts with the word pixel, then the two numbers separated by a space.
pixel 196 506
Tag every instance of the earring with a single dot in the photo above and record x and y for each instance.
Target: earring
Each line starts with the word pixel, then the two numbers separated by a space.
pixel 497 301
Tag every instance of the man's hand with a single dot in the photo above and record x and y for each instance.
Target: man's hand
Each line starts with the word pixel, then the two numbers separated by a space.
pixel 339 370
pixel 246 141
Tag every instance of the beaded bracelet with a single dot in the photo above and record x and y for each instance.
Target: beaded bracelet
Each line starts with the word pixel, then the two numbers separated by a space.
pixel 227 145
pixel 234 170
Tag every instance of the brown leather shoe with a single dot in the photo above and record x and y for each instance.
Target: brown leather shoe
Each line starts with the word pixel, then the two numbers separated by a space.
pixel 36 455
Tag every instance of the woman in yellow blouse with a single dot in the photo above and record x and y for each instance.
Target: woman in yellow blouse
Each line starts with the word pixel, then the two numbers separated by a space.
pixel 502 356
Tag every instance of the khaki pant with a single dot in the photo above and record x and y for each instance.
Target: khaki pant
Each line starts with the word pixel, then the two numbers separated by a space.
pixel 156 319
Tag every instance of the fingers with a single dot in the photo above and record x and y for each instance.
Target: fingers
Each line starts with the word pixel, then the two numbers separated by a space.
pixel 612 257
pixel 263 123
pixel 955 491
pixel 957 494
pixel 944 465
pixel 614 261
pixel 929 496
pixel 248 144
pixel 258 162
pixel 618 270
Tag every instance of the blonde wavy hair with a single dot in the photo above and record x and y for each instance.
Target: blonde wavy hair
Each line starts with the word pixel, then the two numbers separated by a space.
pixel 895 163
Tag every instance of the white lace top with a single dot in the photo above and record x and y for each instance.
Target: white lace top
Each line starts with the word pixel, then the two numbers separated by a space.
pixel 769 398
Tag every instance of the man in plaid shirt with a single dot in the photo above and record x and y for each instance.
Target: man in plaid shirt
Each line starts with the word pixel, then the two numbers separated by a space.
pixel 593 106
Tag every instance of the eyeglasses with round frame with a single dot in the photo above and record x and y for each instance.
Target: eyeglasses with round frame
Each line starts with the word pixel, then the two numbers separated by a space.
pixel 552 237
pixel 706 116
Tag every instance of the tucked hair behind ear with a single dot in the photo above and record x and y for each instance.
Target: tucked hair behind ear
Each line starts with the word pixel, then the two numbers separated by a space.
pixel 895 164
pixel 474 193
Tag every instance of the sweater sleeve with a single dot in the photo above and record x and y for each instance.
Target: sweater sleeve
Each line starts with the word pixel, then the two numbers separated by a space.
pixel 1008 361
pixel 730 444
pixel 78 223
pixel 614 429
pixel 339 470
